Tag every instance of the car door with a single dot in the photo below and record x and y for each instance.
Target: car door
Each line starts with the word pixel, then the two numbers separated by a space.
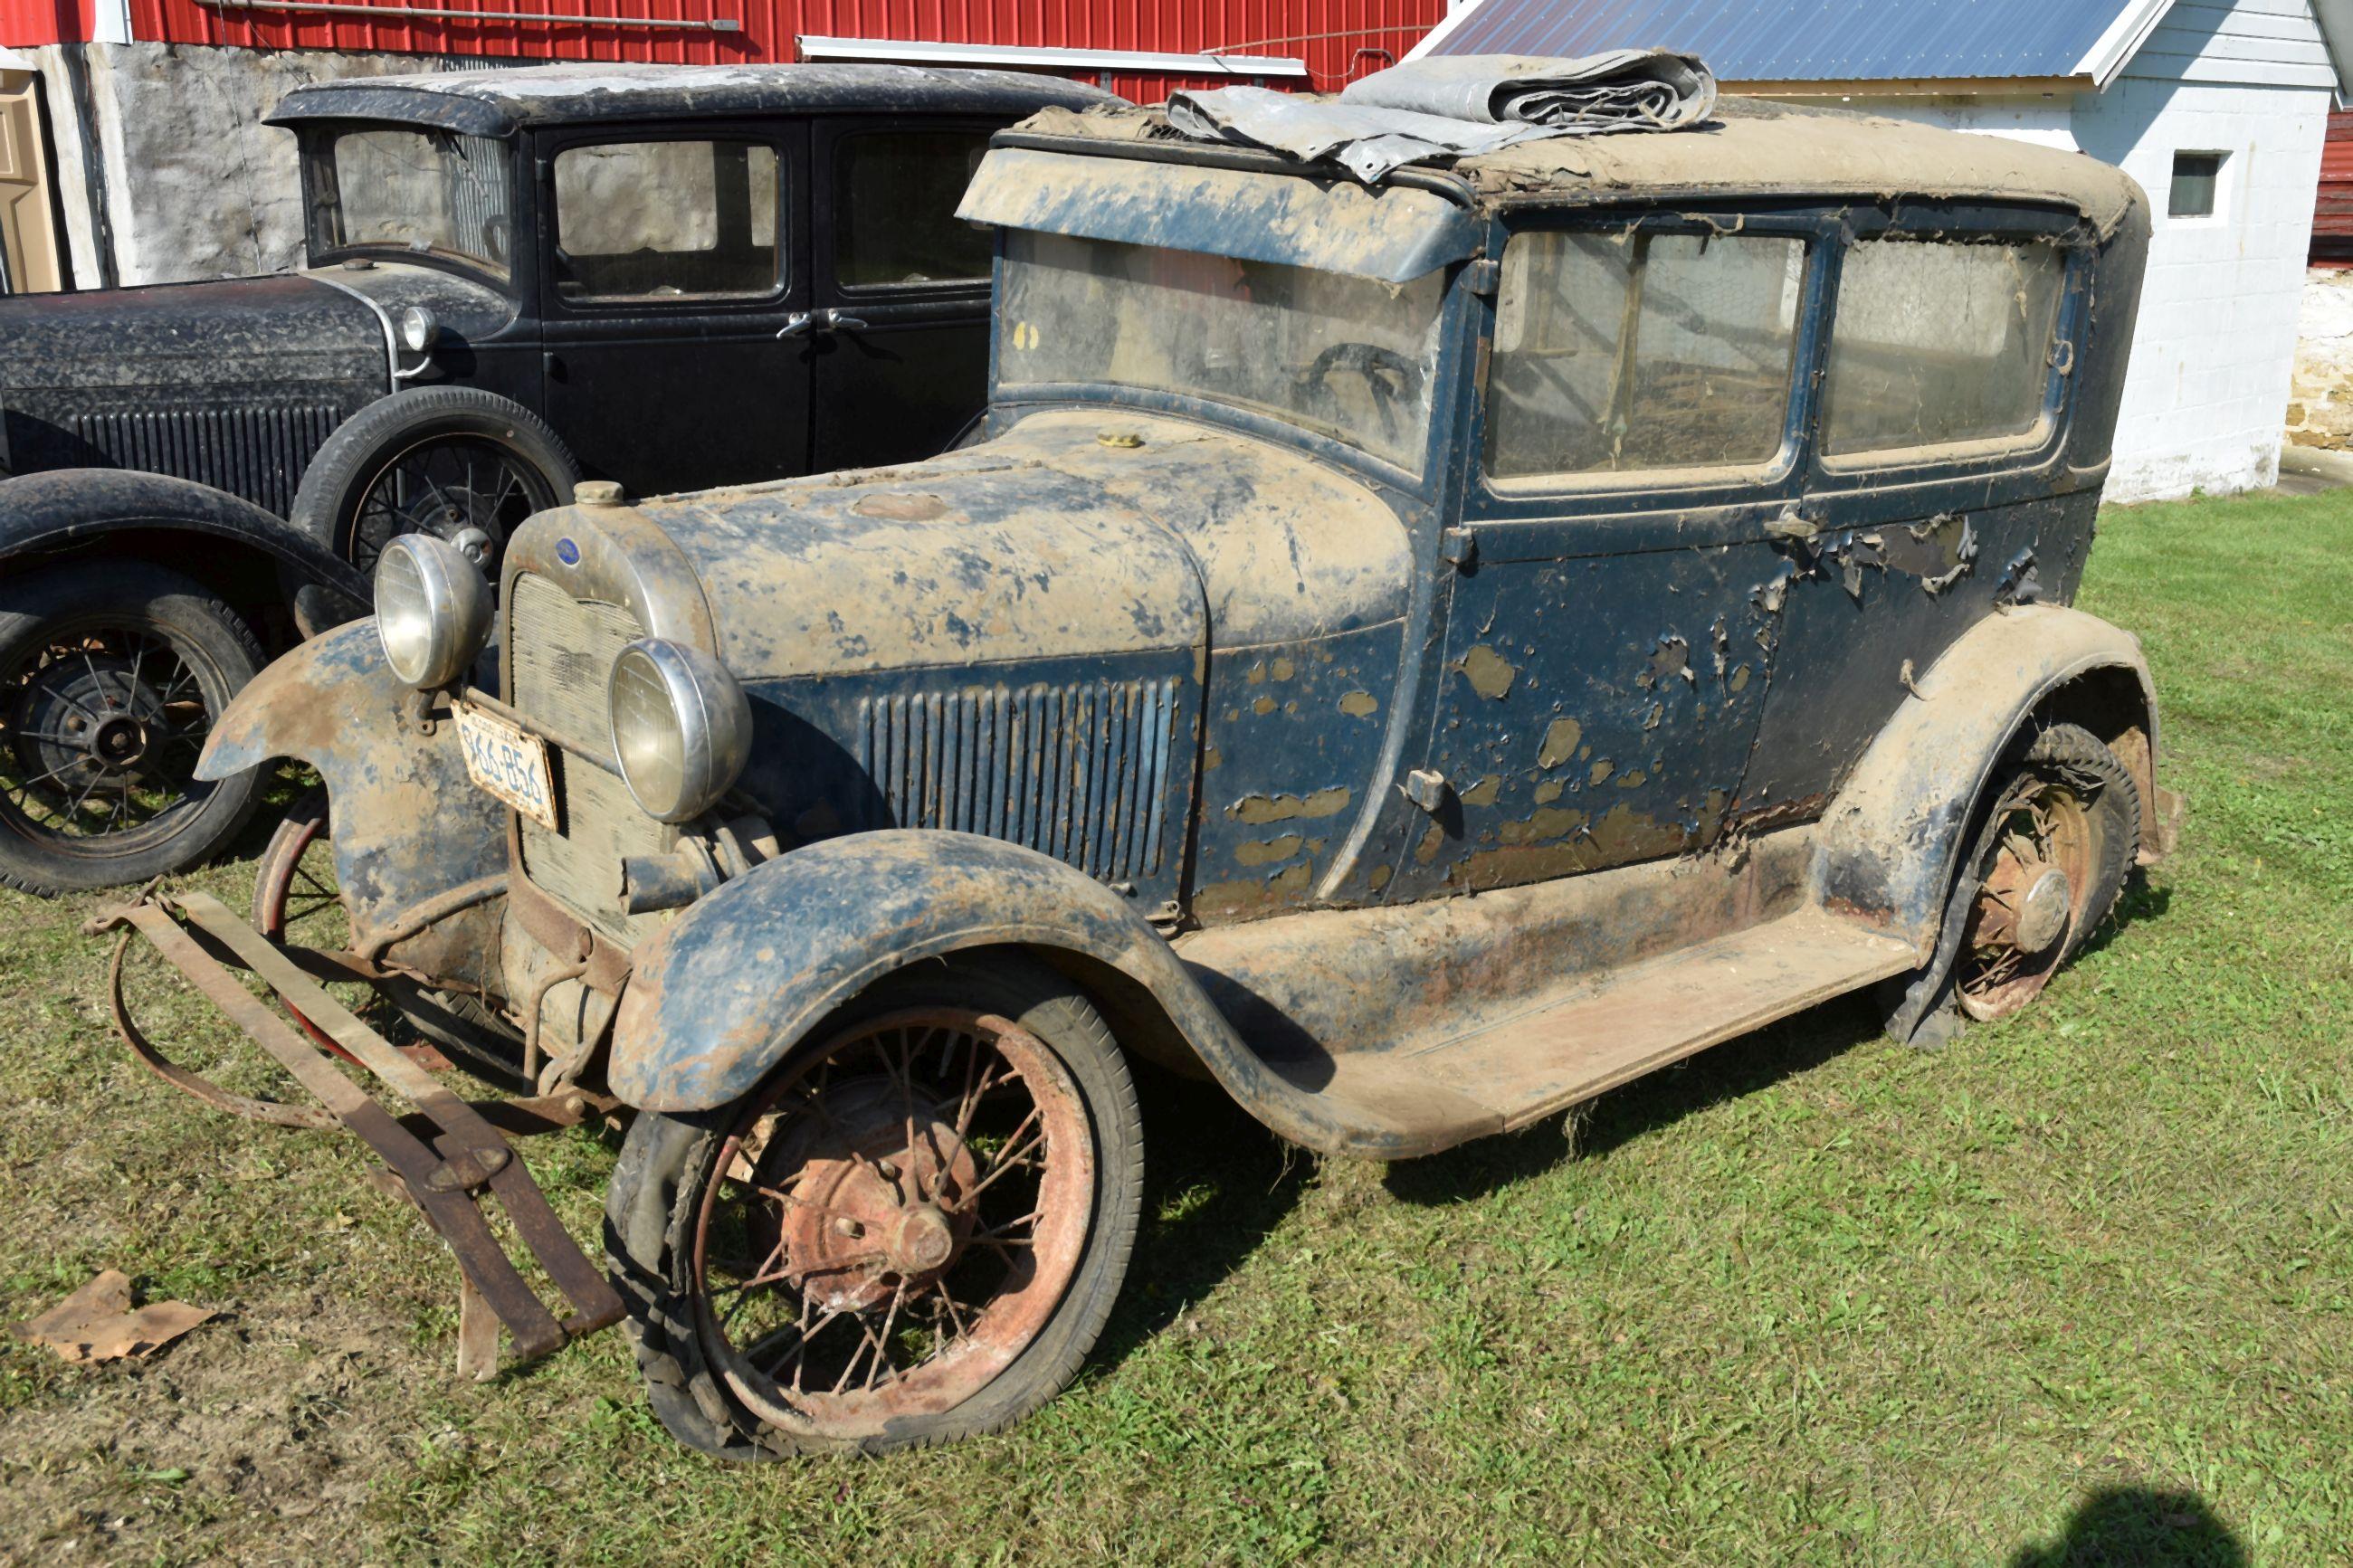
pixel 1938 486
pixel 1607 639
pixel 899 351
pixel 674 306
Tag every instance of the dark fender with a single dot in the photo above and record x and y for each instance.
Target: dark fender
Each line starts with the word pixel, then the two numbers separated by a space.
pixel 720 997
pixel 252 557
pixel 408 823
pixel 1889 842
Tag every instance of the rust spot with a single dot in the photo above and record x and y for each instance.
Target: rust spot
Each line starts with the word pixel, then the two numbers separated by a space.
pixel 1261 808
pixel 1284 669
pixel 1601 771
pixel 1378 880
pixel 1431 842
pixel 1292 883
pixel 900 506
pixel 1263 705
pixel 1490 673
pixel 1484 792
pixel 1739 682
pixel 1634 779
pixel 1266 852
pixel 1670 659
pixel 1549 791
pixel 1212 759
pixel 1359 704
pixel 1559 742
pixel 1552 822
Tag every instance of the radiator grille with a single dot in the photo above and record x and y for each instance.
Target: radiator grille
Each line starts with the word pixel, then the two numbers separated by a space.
pixel 257 453
pixel 1076 771
pixel 560 650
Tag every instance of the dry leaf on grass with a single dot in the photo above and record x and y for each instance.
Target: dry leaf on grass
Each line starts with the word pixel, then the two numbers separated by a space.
pixel 98 1322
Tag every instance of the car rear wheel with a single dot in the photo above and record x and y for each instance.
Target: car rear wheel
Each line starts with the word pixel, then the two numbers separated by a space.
pixel 2056 838
pixel 111 675
pixel 457 462
pixel 911 1232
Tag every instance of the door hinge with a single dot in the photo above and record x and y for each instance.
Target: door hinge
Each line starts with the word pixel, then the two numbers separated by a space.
pixel 1459 545
pixel 1427 788
pixel 1482 277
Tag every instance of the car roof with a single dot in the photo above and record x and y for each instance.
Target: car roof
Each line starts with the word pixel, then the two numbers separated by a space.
pixel 1749 148
pixel 500 102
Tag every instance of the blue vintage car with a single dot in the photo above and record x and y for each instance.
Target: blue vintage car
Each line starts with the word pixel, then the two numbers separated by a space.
pixel 1419 653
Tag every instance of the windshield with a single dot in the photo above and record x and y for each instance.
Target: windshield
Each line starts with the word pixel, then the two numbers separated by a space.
pixel 424 192
pixel 1343 357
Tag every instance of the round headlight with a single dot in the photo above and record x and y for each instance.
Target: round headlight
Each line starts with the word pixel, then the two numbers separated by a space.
pixel 419 330
pixel 682 727
pixel 432 609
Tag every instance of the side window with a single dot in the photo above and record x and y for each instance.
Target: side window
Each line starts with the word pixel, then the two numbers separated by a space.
pixel 1631 352
pixel 661 220
pixel 895 201
pixel 1936 342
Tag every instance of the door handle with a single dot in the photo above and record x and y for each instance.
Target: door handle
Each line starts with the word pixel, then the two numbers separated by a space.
pixel 1792 524
pixel 836 323
pixel 799 324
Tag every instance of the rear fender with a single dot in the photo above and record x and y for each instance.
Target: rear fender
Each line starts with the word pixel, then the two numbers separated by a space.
pixel 1890 843
pixel 407 822
pixel 728 989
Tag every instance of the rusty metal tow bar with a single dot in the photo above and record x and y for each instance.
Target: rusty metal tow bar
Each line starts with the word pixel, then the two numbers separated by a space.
pixel 444 1159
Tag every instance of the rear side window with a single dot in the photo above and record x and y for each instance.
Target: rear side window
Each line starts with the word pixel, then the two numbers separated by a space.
pixel 1936 342
pixel 1632 351
pixel 657 220
pixel 895 195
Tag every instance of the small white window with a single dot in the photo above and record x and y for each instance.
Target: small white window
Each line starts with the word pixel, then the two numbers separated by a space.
pixel 2197 182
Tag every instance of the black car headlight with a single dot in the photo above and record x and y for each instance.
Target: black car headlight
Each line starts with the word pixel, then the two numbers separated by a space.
pixel 432 609
pixel 682 727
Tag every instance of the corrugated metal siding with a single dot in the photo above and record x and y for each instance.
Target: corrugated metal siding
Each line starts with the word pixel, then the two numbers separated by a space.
pixel 27 23
pixel 770 26
pixel 1804 40
pixel 2332 217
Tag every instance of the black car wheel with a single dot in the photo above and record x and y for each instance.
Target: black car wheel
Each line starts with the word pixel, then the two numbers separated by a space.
pixel 912 1232
pixel 111 675
pixel 457 462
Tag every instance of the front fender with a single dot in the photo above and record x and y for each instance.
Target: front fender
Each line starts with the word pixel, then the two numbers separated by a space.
pixel 726 991
pixel 1889 844
pixel 407 822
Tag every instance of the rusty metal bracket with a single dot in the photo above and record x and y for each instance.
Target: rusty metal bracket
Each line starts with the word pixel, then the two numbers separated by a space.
pixel 446 1157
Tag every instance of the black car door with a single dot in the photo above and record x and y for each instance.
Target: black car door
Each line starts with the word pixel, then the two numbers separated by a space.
pixel 674 303
pixel 900 338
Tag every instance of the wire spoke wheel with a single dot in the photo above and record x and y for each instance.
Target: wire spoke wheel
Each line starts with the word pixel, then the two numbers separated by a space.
pixel 2036 880
pixel 468 489
pixel 890 1223
pixel 100 726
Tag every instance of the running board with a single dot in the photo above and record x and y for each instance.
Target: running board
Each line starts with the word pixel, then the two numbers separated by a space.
pixel 1561 1049
pixel 445 1159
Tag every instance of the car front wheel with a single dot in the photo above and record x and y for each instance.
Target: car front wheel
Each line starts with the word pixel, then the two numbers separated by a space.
pixel 911 1232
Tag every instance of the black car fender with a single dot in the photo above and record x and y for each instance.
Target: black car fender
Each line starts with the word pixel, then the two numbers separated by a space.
pixel 1890 844
pixel 257 562
pixel 739 979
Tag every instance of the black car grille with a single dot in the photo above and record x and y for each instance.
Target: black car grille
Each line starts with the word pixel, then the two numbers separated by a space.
pixel 259 453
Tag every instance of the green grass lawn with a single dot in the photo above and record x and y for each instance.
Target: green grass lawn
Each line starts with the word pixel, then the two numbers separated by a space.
pixel 2079 1288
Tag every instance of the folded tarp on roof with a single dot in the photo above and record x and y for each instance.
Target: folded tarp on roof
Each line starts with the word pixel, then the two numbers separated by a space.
pixel 1455 106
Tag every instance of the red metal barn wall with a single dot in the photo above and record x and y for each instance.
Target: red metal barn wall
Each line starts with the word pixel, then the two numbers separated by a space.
pixel 25 24
pixel 1327 34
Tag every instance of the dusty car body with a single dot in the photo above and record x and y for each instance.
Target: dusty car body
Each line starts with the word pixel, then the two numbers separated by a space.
pixel 685 277
pixel 1419 655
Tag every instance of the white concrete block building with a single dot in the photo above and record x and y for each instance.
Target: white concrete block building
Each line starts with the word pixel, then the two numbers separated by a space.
pixel 2218 107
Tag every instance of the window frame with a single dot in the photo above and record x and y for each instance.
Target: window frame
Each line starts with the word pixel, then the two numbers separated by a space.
pixel 826 235
pixel 1689 478
pixel 2032 448
pixel 779 140
pixel 2219 209
pixel 315 158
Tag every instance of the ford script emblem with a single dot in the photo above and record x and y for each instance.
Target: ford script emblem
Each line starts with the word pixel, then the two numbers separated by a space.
pixel 567 553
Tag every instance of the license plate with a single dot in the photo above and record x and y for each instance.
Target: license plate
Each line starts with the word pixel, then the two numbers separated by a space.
pixel 509 763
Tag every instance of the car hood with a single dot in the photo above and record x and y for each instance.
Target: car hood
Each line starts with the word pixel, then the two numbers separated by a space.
pixel 1077 533
pixel 281 331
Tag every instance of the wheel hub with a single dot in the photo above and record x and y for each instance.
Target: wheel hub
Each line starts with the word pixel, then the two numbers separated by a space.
pixel 2042 913
pixel 89 715
pixel 2025 905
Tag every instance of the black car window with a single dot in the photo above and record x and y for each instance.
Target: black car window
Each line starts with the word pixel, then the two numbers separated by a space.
pixel 895 201
pixel 661 220
pixel 1937 342
pixel 428 191
pixel 1638 351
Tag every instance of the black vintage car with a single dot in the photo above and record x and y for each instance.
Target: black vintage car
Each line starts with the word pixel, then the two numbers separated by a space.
pixel 664 277
pixel 1421 654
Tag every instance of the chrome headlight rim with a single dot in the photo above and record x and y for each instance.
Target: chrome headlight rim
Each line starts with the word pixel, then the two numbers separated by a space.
pixel 419 330
pixel 433 610
pixel 710 727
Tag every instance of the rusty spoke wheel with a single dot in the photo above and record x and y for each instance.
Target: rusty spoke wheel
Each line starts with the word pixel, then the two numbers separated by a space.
pixel 2054 842
pixel 910 1231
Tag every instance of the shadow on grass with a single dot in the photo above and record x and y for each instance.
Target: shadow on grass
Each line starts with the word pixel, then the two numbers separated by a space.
pixel 1657 1100
pixel 2134 1527
pixel 2141 900
pixel 1216 1184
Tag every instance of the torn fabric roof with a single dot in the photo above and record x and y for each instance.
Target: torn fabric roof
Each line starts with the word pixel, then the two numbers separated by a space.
pixel 1457 107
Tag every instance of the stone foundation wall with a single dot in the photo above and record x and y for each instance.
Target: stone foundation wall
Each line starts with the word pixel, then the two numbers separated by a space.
pixel 2320 393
